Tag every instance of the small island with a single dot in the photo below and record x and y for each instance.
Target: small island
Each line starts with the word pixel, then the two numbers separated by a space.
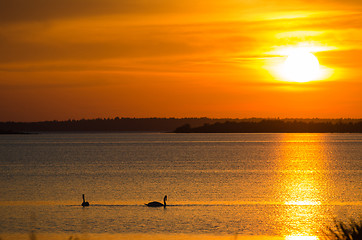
pixel 275 126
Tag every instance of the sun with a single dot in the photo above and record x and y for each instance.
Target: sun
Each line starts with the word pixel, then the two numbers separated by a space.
pixel 300 66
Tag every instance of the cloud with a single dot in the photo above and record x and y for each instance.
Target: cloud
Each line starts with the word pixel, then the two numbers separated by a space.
pixel 44 10
pixel 41 10
pixel 89 40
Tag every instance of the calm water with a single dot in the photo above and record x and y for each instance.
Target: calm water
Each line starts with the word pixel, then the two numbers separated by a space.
pixel 274 185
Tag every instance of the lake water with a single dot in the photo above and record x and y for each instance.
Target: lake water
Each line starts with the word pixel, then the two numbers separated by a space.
pixel 222 186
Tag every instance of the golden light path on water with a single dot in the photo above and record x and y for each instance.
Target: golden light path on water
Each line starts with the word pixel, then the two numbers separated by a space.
pixel 302 186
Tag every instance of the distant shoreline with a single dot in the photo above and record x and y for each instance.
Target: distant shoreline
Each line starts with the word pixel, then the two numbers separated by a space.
pixel 186 125
pixel 10 132
pixel 275 126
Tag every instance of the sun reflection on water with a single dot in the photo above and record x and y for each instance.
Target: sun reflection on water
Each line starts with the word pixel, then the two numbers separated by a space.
pixel 301 187
pixel 301 238
pixel 303 203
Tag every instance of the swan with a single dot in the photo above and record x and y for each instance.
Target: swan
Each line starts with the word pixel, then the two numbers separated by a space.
pixel 84 203
pixel 157 204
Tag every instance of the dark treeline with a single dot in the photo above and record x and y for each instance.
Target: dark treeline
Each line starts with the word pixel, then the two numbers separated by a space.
pixel 187 125
pixel 277 126
pixel 105 125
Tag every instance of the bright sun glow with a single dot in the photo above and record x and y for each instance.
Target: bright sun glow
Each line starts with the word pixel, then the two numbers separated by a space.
pixel 303 203
pixel 301 238
pixel 300 66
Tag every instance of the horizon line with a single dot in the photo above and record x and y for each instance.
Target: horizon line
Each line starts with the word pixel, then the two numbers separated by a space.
pixel 183 118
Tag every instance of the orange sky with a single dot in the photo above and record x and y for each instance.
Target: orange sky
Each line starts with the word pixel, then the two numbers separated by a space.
pixel 73 59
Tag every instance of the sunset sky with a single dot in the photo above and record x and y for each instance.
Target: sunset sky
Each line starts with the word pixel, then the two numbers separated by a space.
pixel 74 59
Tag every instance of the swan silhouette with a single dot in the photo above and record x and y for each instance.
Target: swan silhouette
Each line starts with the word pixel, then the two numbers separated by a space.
pixel 157 204
pixel 84 203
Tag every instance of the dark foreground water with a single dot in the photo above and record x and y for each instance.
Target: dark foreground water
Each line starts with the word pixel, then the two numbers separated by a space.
pixel 262 186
